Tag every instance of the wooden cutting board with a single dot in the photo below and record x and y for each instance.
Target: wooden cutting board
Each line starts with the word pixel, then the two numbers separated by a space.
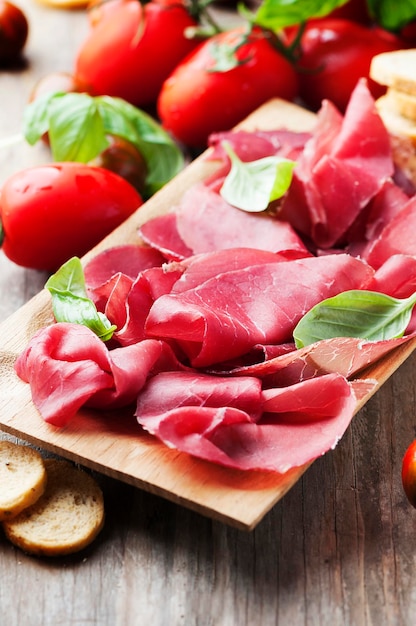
pixel 113 443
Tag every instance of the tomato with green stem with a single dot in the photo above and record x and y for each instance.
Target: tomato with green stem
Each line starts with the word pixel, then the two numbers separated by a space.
pixel 132 48
pixel 335 54
pixel 50 213
pixel 225 79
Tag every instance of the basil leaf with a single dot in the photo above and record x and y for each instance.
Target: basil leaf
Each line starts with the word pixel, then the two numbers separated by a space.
pixel 357 313
pixel 70 302
pixel 392 15
pixel 278 14
pixel 79 124
pixel 253 185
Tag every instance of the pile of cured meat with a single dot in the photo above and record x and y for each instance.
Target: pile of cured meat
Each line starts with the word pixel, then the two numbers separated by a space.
pixel 205 310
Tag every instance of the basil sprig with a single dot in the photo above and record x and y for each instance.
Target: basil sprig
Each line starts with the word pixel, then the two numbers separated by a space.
pixel 78 126
pixel 70 302
pixel 357 313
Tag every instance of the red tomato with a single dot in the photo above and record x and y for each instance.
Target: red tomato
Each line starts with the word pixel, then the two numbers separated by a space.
pixel 409 473
pixel 355 10
pixel 335 54
pixel 197 100
pixel 50 213
pixel 132 49
pixel 14 29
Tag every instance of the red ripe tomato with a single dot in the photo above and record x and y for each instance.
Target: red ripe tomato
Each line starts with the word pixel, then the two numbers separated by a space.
pixel 132 48
pixel 355 10
pixel 198 99
pixel 14 29
pixel 50 213
pixel 335 54
pixel 409 473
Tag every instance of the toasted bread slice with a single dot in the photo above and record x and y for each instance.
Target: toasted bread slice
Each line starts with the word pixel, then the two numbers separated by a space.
pixel 68 516
pixel 22 478
pixel 395 123
pixel 402 102
pixel 396 70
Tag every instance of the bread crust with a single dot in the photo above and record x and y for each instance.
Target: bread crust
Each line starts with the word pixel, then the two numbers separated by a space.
pixel 65 519
pixel 396 70
pixel 22 478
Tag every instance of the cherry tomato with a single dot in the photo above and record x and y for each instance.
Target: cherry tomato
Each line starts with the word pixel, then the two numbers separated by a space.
pixel 197 99
pixel 132 48
pixel 54 82
pixel 409 473
pixel 125 160
pixel 335 54
pixel 14 29
pixel 50 213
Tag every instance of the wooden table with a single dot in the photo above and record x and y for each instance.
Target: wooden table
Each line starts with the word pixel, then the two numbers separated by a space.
pixel 339 549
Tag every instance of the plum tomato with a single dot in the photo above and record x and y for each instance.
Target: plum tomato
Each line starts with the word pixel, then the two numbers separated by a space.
pixel 14 30
pixel 132 48
pixel 52 212
pixel 335 54
pixel 409 473
pixel 203 96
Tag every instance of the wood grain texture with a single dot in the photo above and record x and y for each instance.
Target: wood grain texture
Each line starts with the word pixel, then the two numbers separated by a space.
pixel 338 550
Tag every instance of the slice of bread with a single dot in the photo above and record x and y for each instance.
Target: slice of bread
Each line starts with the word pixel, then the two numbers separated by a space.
pixel 68 516
pixel 22 478
pixel 395 69
pixel 395 123
pixel 402 102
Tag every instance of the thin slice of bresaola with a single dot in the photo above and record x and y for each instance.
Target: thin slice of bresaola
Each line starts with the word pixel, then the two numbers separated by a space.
pixel 296 424
pixel 227 315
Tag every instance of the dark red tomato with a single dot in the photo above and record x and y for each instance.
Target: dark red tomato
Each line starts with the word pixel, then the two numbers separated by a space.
pixel 355 10
pixel 125 160
pixel 409 473
pixel 197 100
pixel 50 213
pixel 132 49
pixel 14 29
pixel 335 54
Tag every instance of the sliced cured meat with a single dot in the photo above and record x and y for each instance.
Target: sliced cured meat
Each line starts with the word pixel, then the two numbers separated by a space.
pixel 193 229
pixel 396 277
pixel 296 424
pixel 125 259
pixel 341 169
pixel 230 313
pixel 68 367
pixel 250 146
pixel 398 237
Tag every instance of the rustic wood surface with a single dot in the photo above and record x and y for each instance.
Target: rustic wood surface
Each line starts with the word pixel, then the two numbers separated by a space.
pixel 338 549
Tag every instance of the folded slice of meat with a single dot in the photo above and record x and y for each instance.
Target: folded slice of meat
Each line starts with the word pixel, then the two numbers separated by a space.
pixel 234 423
pixel 228 314
pixel 68 366
pixel 343 166
pixel 193 228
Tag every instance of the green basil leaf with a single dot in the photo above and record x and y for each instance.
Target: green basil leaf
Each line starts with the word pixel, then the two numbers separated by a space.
pixel 70 302
pixel 251 186
pixel 36 117
pixel 79 125
pixel 392 15
pixel 357 313
pixel 163 157
pixel 278 14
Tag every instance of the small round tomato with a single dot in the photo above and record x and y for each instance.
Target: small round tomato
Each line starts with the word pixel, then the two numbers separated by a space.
pixel 132 48
pixel 335 55
pixel 204 94
pixel 125 160
pixel 409 473
pixel 14 29
pixel 355 10
pixel 50 213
